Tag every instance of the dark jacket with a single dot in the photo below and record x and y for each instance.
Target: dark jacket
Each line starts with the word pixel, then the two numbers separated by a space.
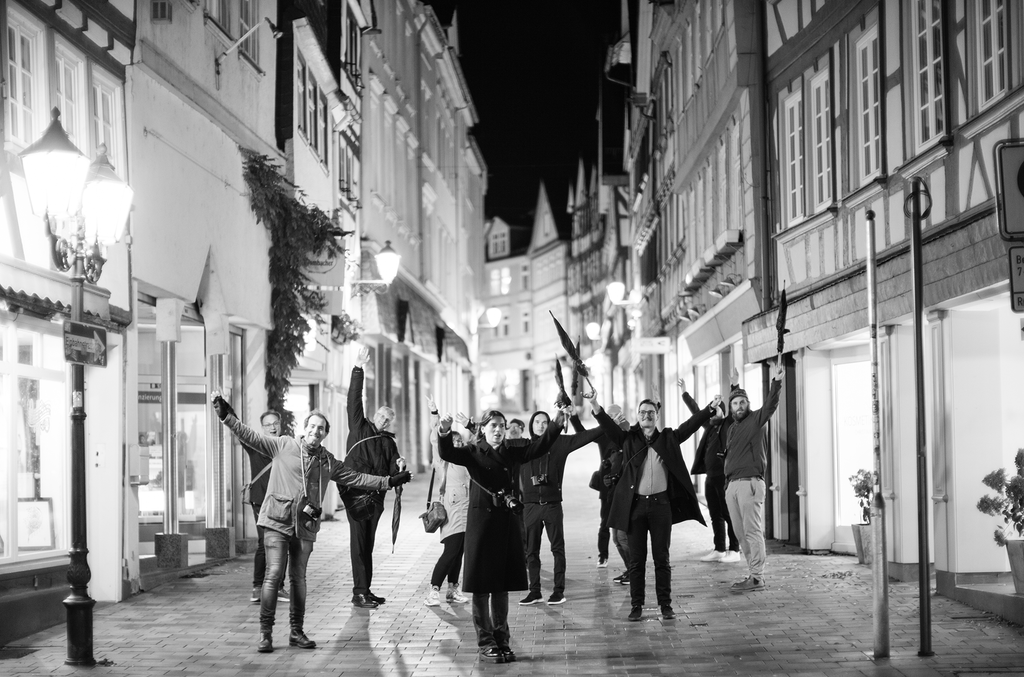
pixel 369 451
pixel 710 456
pixel 552 464
pixel 665 443
pixel 744 453
pixel 257 488
pixel 495 560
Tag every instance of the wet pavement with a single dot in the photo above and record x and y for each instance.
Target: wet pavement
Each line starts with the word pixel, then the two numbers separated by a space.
pixel 814 618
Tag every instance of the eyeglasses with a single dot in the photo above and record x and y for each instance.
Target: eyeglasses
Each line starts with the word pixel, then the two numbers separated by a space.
pixel 647 413
pixel 272 424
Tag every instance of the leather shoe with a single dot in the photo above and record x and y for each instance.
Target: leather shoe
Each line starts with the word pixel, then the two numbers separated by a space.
pixel 298 638
pixel 667 613
pixel 508 654
pixel 492 654
pixel 266 644
pixel 636 613
pixel 375 598
pixel 364 602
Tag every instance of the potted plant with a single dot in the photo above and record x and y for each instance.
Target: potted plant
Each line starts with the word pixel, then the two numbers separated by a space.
pixel 864 489
pixel 344 329
pixel 1008 503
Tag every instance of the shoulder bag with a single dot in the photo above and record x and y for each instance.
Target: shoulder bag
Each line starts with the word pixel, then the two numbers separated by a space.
pixel 248 485
pixel 435 516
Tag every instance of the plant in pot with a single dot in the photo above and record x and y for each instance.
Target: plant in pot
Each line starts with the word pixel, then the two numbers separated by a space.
pixel 863 482
pixel 1008 503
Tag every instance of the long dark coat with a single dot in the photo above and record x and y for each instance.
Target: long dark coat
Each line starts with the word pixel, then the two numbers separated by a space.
pixel 495 560
pixel 665 443
pixel 369 451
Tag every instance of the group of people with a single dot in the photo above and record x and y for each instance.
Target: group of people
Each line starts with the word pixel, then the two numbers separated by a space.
pixel 501 485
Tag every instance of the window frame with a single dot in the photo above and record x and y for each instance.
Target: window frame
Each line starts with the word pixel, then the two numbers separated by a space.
pixel 167 11
pixel 867 122
pixel 822 171
pixel 929 107
pixel 34 111
pixel 219 12
pixel 73 115
pixel 99 80
pixel 249 16
pixel 793 167
pixel 997 32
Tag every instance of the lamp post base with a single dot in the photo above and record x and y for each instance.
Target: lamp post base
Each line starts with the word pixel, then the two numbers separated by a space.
pixel 79 630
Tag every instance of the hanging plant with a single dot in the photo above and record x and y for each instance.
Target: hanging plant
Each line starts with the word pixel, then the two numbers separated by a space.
pixel 301 237
pixel 344 329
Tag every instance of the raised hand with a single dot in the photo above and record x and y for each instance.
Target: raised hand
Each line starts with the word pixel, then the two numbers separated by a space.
pixel 715 402
pixel 734 376
pixel 364 357
pixel 445 425
pixel 780 370
pixel 682 385
pixel 432 406
pixel 222 408
pixel 462 419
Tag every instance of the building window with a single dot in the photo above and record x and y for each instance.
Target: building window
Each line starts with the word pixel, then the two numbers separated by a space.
pixel 107 127
pixel 991 22
pixel 821 141
pixel 69 74
pixel 24 78
pixel 249 16
pixel 495 282
pixel 793 157
pixel 867 107
pixel 352 42
pixel 311 109
pixel 928 84
pixel 506 280
pixel 160 10
pixel 33 441
pixel 300 93
pixel 526 322
pixel 525 276
pixel 218 11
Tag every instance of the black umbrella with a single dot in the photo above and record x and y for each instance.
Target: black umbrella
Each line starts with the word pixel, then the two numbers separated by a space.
pixel 574 383
pixel 574 354
pixel 780 323
pixel 562 399
pixel 396 513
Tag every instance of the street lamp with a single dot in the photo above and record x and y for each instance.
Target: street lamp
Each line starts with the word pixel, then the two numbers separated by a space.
pixel 493 316
pixel 85 207
pixel 387 265
pixel 593 331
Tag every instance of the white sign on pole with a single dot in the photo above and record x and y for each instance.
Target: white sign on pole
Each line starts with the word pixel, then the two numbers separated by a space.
pixel 652 345
pixel 1016 256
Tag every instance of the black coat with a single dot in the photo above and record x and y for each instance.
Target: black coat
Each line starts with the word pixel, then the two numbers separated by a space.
pixel 369 451
pixel 710 455
pixel 494 559
pixel 665 443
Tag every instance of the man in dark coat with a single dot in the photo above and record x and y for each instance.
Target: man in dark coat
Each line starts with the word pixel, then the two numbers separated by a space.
pixel 494 559
pixel 541 483
pixel 371 450
pixel 709 460
pixel 653 493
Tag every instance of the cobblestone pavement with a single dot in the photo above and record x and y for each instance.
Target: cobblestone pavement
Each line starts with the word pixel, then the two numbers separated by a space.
pixel 815 618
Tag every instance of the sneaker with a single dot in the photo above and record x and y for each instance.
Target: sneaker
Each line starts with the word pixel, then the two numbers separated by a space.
pixel 713 556
pixel 747 584
pixel 433 597
pixel 531 598
pixel 622 579
pixel 667 613
pixel 455 596
pixel 507 654
pixel 636 613
pixel 731 557
pixel 283 596
pixel 602 563
pixel 255 598
pixel 556 598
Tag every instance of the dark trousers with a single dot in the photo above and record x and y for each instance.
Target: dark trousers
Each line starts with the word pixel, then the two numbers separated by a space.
pixel 284 551
pixel 259 571
pixel 361 535
pixel 603 533
pixel 650 515
pixel 450 562
pixel 714 492
pixel 536 518
pixel 490 616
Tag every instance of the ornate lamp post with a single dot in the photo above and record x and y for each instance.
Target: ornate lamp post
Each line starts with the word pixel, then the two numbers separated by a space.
pixel 388 261
pixel 85 207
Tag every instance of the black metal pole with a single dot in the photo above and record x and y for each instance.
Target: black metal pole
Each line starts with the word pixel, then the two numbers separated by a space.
pixel 78 604
pixel 923 564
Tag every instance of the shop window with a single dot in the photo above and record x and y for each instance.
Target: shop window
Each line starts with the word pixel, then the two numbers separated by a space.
pixel 851 410
pixel 33 442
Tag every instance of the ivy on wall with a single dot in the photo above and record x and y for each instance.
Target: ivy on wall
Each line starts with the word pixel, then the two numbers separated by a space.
pixel 301 235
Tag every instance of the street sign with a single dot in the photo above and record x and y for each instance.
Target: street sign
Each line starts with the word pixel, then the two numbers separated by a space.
pixel 1016 255
pixel 1010 186
pixel 654 345
pixel 85 343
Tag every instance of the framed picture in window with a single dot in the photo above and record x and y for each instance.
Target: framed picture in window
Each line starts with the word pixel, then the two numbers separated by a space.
pixel 35 524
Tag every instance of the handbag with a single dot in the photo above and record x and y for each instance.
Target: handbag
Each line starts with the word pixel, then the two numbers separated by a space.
pixel 435 516
pixel 248 485
pixel 596 481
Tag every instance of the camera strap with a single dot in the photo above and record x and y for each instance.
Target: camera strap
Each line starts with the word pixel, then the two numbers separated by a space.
pixel 319 477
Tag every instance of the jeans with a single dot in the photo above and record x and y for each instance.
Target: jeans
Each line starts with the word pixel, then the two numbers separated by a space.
pixel 621 540
pixel 650 515
pixel 361 536
pixel 602 531
pixel 450 562
pixel 536 518
pixel 259 571
pixel 282 549
pixel 746 507
pixel 490 616
pixel 714 491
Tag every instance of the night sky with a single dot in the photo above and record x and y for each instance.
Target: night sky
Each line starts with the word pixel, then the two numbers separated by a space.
pixel 533 67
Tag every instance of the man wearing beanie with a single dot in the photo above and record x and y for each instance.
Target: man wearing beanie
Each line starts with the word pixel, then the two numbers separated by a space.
pixel 745 465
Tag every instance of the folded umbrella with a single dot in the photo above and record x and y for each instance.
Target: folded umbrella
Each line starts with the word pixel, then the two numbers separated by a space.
pixel 574 383
pixel 396 513
pixel 573 352
pixel 780 323
pixel 562 399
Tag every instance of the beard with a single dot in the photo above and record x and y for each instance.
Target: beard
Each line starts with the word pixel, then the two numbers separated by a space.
pixel 739 416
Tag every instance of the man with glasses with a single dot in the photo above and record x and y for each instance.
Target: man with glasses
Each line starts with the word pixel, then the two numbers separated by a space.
pixel 515 429
pixel 653 493
pixel 259 467
pixel 372 450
